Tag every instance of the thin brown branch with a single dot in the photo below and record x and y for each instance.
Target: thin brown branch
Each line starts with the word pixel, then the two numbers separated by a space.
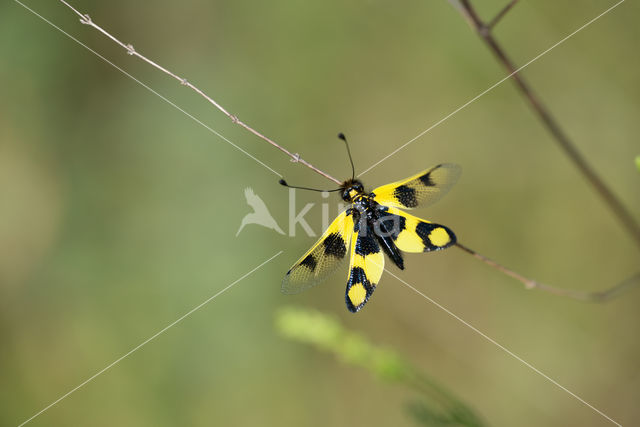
pixel 598 296
pixel 501 14
pixel 86 19
pixel 561 138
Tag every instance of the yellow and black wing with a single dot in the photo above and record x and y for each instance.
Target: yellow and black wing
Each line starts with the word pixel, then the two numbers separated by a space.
pixel 413 234
pixel 365 268
pixel 323 257
pixel 425 188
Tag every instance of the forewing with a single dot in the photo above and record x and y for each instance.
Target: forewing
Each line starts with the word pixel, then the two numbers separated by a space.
pixel 413 234
pixel 424 189
pixel 365 268
pixel 323 257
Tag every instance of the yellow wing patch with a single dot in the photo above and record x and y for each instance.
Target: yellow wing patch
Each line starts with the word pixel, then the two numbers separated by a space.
pixel 357 294
pixel 439 237
pixel 425 188
pixel 408 240
pixel 323 257
pixel 372 264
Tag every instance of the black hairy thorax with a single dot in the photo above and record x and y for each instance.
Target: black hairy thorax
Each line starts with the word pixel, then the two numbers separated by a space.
pixel 351 189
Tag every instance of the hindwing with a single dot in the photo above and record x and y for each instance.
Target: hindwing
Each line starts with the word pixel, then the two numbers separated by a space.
pixel 413 234
pixel 365 267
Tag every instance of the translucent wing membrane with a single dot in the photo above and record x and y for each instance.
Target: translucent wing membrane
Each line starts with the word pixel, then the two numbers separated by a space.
pixel 423 189
pixel 323 257
pixel 365 268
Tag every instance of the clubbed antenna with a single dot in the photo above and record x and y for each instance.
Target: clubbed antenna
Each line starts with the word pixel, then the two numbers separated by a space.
pixel 353 169
pixel 284 183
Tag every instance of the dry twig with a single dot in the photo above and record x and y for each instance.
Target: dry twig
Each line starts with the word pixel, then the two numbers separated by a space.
pixel 597 296
pixel 484 30
pixel 295 157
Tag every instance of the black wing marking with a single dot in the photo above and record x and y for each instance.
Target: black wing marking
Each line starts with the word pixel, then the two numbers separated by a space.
pixel 423 189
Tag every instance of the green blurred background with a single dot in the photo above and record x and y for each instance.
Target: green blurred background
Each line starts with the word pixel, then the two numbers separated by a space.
pixel 118 213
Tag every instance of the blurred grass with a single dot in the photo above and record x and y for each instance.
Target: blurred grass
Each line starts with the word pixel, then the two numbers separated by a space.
pixel 437 407
pixel 326 333
pixel 118 213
